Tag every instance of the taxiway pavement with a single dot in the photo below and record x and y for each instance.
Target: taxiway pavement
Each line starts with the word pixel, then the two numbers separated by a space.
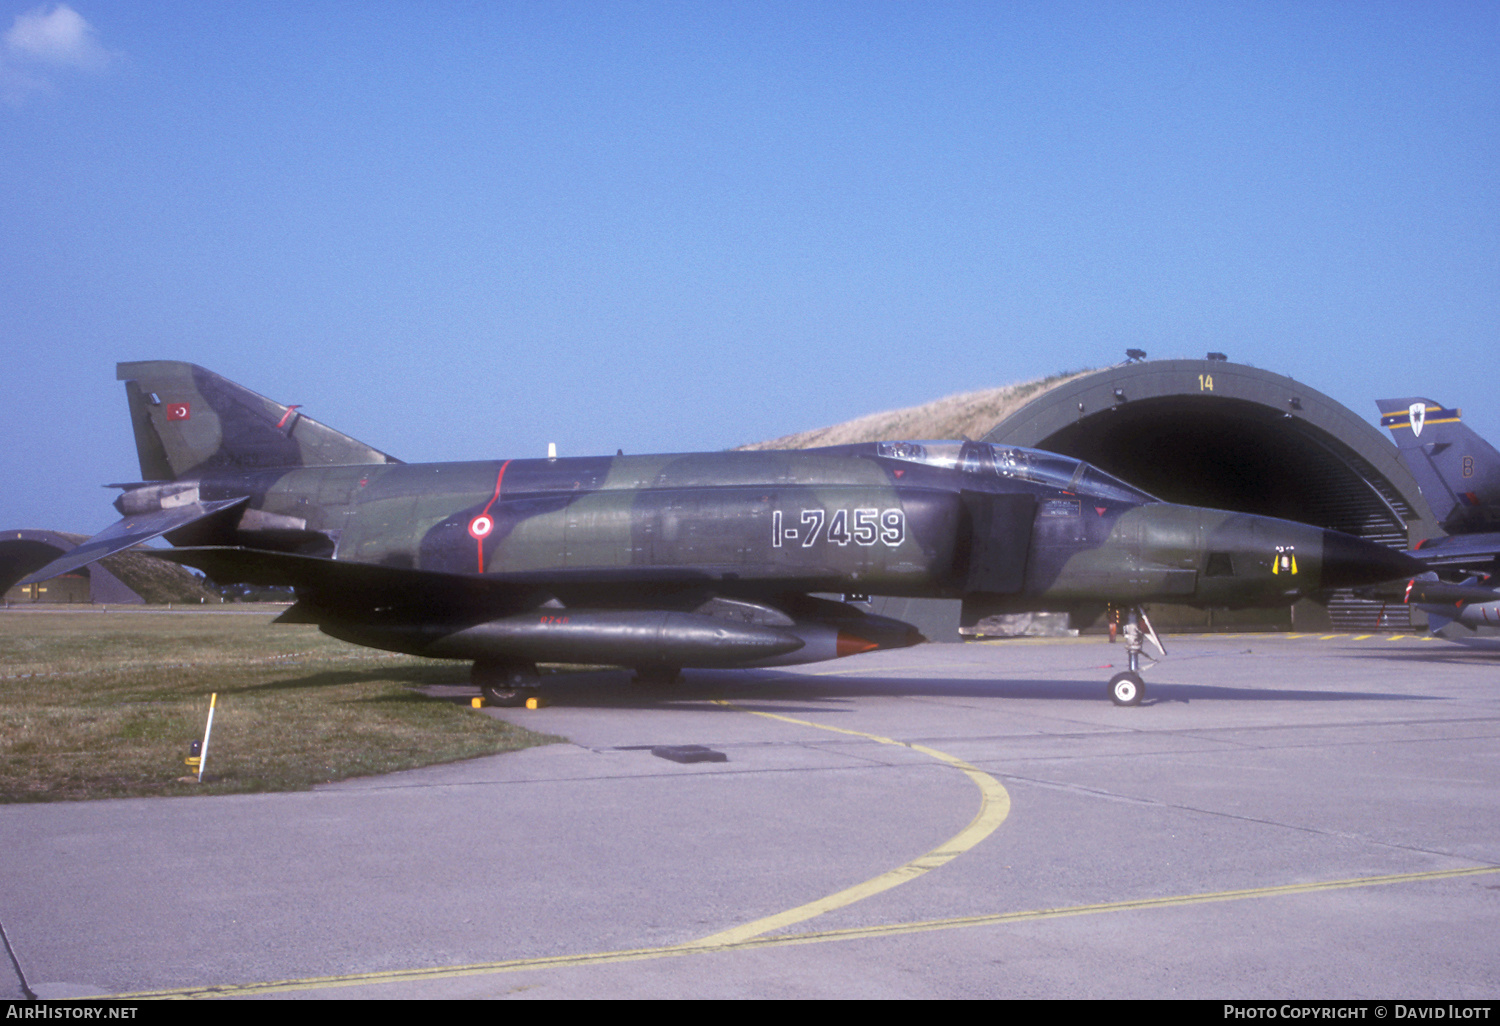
pixel 1305 816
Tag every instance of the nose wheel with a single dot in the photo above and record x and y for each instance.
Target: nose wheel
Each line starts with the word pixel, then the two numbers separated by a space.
pixel 1128 688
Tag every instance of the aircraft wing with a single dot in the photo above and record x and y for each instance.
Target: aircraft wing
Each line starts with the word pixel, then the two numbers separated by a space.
pixel 127 533
pixel 1461 550
pixel 343 585
pixel 339 584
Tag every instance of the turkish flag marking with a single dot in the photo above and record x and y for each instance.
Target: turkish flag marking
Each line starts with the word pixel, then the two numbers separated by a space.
pixel 179 411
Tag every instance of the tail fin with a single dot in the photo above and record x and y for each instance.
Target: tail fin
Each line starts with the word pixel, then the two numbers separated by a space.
pixel 1458 472
pixel 190 421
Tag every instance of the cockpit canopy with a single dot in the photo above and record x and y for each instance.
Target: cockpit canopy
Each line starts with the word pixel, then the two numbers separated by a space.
pixel 1016 463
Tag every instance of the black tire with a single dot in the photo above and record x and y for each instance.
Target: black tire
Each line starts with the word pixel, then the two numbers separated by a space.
pixel 506 685
pixel 504 698
pixel 1127 689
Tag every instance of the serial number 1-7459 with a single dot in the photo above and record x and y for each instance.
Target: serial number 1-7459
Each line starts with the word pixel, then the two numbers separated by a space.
pixel 860 526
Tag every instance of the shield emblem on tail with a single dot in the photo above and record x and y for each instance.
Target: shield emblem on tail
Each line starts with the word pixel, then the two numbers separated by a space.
pixel 1418 417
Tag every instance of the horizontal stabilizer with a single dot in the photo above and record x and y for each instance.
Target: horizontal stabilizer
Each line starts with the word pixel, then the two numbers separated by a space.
pixel 130 532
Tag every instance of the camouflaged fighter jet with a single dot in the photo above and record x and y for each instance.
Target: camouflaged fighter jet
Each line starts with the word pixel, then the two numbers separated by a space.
pixel 665 562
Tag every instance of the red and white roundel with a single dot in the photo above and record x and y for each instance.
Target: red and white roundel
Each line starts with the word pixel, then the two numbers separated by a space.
pixel 481 526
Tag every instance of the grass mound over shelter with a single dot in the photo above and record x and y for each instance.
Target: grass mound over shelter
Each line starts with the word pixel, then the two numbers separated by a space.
pixel 967 415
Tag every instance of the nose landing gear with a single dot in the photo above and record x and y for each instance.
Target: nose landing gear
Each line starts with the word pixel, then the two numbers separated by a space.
pixel 1128 688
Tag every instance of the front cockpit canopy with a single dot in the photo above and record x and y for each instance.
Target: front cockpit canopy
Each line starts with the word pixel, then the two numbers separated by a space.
pixel 1017 463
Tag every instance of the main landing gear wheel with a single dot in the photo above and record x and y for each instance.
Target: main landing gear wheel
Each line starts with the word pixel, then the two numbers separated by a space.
pixel 1127 689
pixel 506 685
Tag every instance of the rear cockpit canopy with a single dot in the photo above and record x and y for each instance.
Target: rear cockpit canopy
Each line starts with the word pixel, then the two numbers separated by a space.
pixel 1016 463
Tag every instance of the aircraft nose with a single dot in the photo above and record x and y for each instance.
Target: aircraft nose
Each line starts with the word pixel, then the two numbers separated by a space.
pixel 1350 562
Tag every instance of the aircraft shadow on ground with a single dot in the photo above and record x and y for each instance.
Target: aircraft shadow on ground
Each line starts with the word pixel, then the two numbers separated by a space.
pixel 770 694
pixel 1470 652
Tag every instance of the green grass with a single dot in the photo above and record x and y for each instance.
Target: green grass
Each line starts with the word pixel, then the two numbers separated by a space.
pixel 103 705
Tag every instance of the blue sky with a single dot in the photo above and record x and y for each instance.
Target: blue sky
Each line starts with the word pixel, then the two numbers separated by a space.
pixel 465 230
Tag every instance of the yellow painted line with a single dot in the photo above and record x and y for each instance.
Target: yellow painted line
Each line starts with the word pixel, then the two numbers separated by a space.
pixel 1080 640
pixel 855 933
pixel 959 922
pixel 860 671
pixel 1397 637
pixel 994 806
pixel 1330 637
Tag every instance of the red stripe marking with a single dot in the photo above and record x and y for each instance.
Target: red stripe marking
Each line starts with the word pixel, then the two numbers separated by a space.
pixel 288 413
pixel 493 499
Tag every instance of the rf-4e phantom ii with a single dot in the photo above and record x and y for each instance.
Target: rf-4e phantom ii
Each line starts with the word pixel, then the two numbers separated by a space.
pixel 672 561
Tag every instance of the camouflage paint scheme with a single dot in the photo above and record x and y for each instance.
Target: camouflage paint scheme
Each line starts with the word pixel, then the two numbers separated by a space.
pixel 662 562
pixel 1459 474
pixel 1458 471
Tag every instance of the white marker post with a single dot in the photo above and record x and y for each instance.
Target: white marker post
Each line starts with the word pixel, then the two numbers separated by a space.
pixel 203 755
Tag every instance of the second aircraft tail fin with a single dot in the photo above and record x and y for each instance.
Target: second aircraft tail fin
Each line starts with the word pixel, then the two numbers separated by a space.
pixel 1458 472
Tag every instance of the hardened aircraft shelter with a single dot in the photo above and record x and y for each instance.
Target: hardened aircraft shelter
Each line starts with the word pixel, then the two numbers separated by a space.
pixel 1214 433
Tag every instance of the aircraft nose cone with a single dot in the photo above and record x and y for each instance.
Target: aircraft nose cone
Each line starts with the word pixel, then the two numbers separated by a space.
pixel 1350 562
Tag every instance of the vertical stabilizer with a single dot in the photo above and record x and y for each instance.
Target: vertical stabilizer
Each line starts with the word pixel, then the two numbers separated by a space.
pixel 1458 472
pixel 190 421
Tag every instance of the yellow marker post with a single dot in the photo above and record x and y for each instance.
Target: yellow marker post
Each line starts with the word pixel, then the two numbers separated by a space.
pixel 209 729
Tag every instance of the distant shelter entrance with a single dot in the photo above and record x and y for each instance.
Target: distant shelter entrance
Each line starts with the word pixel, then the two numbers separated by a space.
pixel 1224 435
